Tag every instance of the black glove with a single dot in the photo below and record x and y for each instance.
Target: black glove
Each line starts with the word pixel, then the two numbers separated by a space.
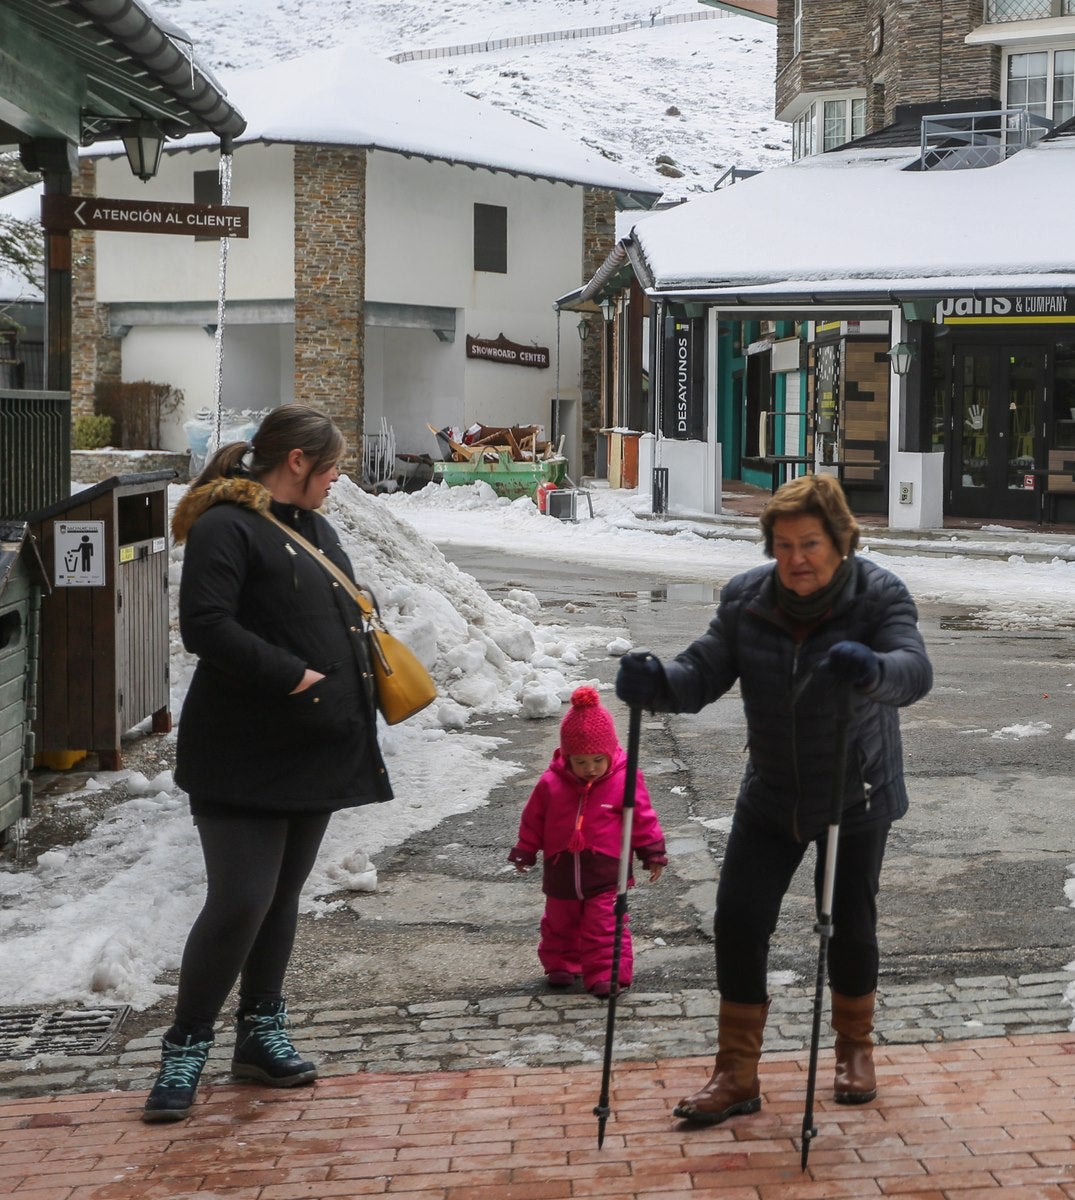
pixel 640 681
pixel 854 663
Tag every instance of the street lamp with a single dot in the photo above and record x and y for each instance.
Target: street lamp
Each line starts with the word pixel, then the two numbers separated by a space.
pixel 143 142
pixel 900 355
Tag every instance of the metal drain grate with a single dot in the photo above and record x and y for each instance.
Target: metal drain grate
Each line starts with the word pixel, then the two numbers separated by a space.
pixel 26 1032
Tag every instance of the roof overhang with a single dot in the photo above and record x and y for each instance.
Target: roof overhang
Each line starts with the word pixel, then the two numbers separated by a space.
pixel 78 68
pixel 1016 33
pixel 760 10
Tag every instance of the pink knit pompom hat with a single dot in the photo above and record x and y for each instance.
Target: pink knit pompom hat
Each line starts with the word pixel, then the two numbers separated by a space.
pixel 588 727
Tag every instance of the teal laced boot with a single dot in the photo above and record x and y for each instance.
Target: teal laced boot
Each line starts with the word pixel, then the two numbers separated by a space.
pixel 263 1050
pixel 183 1055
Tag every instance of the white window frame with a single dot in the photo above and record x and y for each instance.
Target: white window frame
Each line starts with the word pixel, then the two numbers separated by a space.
pixel 1050 49
pixel 809 127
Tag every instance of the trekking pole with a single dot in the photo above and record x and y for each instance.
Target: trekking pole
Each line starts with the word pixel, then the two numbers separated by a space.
pixel 634 734
pixel 824 924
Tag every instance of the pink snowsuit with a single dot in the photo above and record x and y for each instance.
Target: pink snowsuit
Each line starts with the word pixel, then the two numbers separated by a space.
pixel 578 828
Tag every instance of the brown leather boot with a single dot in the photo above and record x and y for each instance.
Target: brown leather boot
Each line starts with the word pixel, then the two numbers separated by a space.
pixel 852 1018
pixel 734 1087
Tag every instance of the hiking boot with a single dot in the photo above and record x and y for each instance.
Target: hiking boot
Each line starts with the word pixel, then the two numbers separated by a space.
pixel 263 1050
pixel 183 1055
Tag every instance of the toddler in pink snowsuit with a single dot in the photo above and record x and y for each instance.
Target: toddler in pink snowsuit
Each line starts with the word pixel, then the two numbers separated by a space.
pixel 574 817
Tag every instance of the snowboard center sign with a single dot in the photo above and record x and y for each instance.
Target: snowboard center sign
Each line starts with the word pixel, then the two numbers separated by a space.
pixel 514 354
pixel 144 216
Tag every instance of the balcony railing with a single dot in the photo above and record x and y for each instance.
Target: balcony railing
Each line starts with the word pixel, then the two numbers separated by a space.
pixel 964 141
pixel 997 11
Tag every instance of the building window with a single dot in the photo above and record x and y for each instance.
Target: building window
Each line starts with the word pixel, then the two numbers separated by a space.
pixel 840 121
pixel 207 191
pixel 1043 83
pixel 491 238
pixel 797 28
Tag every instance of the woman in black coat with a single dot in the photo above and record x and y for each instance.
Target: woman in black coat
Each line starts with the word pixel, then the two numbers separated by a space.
pixel 277 732
pixel 793 633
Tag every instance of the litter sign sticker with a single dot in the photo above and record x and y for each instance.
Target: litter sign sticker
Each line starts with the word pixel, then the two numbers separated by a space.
pixel 80 553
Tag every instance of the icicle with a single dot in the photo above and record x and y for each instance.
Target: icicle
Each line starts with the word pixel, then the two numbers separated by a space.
pixel 222 282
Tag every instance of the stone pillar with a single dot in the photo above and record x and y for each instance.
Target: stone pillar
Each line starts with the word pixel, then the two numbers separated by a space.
pixel 598 239
pixel 95 355
pixel 330 275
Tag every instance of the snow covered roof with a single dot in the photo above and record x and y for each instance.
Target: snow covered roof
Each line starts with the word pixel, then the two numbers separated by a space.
pixel 859 224
pixel 345 96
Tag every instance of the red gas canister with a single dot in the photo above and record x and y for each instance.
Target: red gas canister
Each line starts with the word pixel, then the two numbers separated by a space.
pixel 541 494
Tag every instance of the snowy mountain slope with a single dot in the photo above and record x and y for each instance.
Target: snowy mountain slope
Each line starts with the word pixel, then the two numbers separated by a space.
pixel 699 93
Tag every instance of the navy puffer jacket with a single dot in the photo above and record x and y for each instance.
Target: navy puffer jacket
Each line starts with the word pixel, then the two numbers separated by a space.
pixel 788 782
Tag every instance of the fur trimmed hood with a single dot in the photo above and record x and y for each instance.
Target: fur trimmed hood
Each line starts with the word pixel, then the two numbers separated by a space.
pixel 228 489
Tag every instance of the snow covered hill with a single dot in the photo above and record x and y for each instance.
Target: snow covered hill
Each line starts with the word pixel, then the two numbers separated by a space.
pixel 698 94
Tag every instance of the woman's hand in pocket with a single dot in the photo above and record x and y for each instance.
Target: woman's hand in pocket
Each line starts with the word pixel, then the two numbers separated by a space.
pixel 309 678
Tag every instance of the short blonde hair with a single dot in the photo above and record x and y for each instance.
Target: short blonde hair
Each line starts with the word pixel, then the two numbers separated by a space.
pixel 813 495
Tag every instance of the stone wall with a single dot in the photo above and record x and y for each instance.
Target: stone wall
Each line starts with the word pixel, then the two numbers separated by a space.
pixel 599 237
pixel 921 57
pixel 94 355
pixel 92 466
pixel 330 274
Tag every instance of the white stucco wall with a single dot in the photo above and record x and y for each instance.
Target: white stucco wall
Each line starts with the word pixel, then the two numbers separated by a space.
pixel 420 250
pixel 165 267
pixel 413 381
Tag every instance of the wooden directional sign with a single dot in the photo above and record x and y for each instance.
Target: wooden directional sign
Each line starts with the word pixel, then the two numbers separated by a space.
pixel 144 216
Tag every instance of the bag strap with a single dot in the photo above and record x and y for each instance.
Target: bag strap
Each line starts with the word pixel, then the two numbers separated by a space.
pixel 367 605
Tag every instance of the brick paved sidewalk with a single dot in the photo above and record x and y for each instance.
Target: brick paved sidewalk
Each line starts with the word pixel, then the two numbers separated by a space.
pixel 953 1122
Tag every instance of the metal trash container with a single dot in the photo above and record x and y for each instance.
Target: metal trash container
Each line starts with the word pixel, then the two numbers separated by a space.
pixel 22 581
pixel 104 628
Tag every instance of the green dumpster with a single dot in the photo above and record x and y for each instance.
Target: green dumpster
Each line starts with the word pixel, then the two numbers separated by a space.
pixel 506 476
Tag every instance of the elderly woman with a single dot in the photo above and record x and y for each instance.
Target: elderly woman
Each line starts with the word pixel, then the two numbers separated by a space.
pixel 793 632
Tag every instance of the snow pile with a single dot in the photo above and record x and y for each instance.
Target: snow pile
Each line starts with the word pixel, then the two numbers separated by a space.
pixel 485 656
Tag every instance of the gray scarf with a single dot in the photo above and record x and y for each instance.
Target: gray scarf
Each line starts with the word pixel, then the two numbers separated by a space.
pixel 804 610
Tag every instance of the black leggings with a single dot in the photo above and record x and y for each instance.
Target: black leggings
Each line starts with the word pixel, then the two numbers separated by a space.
pixel 757 872
pixel 255 869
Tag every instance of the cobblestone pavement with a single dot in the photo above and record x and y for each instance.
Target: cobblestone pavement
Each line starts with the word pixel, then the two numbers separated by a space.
pixel 564 1029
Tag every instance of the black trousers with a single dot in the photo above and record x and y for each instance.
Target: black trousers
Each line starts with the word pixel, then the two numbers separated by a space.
pixel 255 870
pixel 754 878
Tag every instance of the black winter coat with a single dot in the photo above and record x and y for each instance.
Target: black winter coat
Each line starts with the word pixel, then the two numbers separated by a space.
pixel 788 782
pixel 257 610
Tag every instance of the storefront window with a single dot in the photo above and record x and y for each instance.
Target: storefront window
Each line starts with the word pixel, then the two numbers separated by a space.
pixel 1023 386
pixel 1063 422
pixel 973 397
pixel 939 400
